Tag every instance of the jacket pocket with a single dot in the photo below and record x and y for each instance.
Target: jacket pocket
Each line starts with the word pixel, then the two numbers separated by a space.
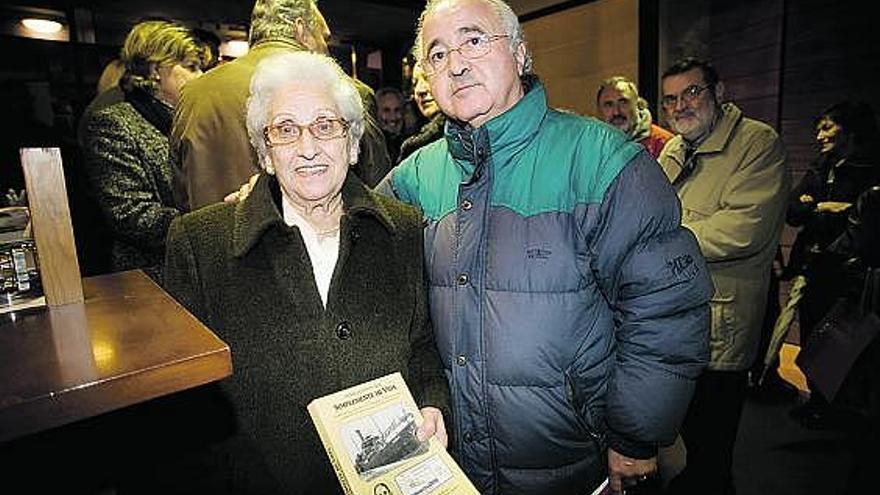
pixel 581 411
pixel 722 306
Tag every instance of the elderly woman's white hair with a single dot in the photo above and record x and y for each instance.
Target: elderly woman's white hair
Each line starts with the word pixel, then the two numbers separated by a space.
pixel 289 69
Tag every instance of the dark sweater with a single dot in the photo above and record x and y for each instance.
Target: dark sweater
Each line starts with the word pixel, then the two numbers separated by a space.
pixel 429 133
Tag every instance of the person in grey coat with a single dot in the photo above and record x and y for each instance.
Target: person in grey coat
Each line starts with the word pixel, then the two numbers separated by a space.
pixel 126 144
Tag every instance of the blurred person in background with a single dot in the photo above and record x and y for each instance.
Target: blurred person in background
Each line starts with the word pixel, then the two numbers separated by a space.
pixel 433 128
pixel 110 75
pixel 619 104
pixel 389 108
pixel 847 165
pixel 210 151
pixel 126 144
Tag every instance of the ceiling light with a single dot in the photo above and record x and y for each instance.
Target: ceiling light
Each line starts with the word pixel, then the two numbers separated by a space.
pixel 42 26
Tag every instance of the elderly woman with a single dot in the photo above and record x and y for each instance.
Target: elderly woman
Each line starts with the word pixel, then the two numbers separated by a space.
pixel 126 143
pixel 314 281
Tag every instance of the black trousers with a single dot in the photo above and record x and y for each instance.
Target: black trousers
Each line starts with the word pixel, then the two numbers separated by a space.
pixel 709 432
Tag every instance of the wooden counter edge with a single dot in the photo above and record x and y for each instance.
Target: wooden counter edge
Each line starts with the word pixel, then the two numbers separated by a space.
pixel 94 399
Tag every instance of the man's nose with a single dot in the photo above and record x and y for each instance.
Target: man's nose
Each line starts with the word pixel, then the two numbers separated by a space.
pixel 458 64
pixel 680 103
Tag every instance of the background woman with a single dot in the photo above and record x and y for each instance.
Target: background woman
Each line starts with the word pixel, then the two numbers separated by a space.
pixel 847 165
pixel 126 144
pixel 435 120
pixel 315 282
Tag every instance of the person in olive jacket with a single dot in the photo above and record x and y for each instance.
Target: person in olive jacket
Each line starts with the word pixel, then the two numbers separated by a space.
pixel 314 281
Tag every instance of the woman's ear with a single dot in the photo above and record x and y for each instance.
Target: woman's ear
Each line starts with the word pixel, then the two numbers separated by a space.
pixel 353 149
pixel 268 166
pixel 155 76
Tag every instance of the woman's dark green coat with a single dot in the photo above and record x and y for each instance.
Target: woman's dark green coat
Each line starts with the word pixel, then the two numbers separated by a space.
pixel 247 275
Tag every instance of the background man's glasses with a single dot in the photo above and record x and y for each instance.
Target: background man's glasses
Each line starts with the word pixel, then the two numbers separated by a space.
pixel 475 46
pixel 288 131
pixel 687 96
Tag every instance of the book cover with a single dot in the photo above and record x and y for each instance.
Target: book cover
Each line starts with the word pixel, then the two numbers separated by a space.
pixel 369 433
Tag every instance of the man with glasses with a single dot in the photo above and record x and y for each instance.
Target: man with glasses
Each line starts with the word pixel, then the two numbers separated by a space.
pixel 390 102
pixel 619 104
pixel 730 175
pixel 569 306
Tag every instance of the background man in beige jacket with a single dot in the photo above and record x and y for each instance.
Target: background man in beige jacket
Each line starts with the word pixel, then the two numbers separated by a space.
pixel 729 172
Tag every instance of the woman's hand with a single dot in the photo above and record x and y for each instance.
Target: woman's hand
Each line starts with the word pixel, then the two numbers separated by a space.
pixel 832 206
pixel 433 426
pixel 243 191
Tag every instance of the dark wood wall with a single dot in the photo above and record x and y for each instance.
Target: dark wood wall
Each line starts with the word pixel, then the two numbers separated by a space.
pixel 746 47
pixel 782 61
pixel 831 54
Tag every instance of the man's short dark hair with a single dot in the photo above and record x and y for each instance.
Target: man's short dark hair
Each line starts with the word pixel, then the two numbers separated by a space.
pixel 710 75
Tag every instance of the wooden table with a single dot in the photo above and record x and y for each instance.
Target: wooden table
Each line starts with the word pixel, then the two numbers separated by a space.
pixel 127 343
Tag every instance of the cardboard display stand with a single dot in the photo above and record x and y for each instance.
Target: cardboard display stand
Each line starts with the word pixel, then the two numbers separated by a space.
pixel 51 225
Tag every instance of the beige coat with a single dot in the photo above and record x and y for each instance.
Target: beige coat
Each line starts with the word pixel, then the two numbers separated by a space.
pixel 734 203
pixel 211 153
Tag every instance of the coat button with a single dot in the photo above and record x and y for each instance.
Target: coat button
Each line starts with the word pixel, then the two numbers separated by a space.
pixel 463 279
pixel 461 360
pixel 466 205
pixel 468 437
pixel 343 330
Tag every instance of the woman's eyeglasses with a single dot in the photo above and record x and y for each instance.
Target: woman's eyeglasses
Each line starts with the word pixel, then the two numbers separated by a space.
pixel 288 131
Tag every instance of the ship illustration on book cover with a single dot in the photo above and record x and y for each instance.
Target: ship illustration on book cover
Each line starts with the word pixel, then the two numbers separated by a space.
pixel 369 433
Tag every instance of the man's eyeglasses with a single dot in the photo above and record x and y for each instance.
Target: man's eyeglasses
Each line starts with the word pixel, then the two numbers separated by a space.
pixel 475 46
pixel 288 131
pixel 687 96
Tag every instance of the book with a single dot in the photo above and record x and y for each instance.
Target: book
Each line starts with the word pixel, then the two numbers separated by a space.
pixel 369 433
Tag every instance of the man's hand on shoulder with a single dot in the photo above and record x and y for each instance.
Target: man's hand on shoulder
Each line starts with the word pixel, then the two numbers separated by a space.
pixel 243 191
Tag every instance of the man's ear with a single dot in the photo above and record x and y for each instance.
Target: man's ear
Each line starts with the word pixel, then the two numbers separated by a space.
pixel 520 56
pixel 300 30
